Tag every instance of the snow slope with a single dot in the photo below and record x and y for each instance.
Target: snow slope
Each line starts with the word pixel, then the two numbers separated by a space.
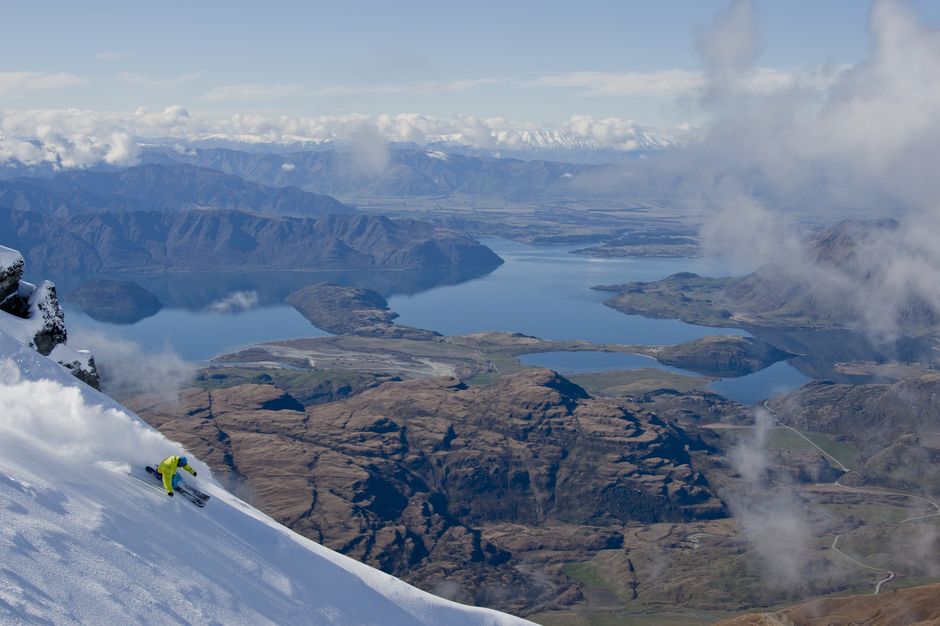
pixel 81 541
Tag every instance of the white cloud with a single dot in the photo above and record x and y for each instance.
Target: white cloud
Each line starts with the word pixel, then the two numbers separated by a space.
pixel 17 83
pixel 68 138
pixel 868 147
pixel 235 302
pixel 150 82
pixel 126 368
pixel 65 138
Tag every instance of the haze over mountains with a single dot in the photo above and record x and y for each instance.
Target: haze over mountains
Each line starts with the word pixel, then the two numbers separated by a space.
pixel 163 188
pixel 843 277
pixel 387 171
pixel 182 217
pixel 225 240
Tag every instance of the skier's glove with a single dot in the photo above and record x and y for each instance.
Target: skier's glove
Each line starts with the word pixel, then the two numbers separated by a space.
pixel 169 493
pixel 195 473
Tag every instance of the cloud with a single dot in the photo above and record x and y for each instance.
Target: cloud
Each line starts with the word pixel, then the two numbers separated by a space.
pixel 658 83
pixel 426 87
pixel 772 515
pixel 57 418
pixel 17 83
pixel 128 369
pixel 64 138
pixel 150 82
pixel 251 91
pixel 684 83
pixel 779 152
pixel 235 302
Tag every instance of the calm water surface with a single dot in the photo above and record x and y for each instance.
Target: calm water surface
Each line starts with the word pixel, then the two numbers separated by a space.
pixel 540 290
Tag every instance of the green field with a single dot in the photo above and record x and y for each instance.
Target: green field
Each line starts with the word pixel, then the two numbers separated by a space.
pixel 786 439
pixel 633 382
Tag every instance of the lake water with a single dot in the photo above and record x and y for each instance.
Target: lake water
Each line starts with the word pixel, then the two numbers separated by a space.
pixel 540 290
pixel 545 291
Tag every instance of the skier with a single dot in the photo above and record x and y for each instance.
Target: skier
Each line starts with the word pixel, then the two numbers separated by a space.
pixel 167 471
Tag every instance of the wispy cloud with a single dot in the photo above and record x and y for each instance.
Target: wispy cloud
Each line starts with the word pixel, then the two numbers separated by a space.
pixel 261 91
pixel 251 92
pixel 681 82
pixel 658 83
pixel 151 82
pixel 15 83
pixel 425 87
pixel 110 55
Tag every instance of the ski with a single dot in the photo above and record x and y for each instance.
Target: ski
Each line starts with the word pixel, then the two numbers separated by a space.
pixel 197 493
pixel 199 502
pixel 193 495
pixel 147 483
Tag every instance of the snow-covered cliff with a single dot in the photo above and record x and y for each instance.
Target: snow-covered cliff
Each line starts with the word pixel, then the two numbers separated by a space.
pixel 32 315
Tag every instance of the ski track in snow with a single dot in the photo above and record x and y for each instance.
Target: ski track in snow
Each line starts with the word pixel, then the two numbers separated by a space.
pixel 81 541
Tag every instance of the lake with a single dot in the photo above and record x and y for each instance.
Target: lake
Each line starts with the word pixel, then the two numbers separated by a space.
pixel 540 290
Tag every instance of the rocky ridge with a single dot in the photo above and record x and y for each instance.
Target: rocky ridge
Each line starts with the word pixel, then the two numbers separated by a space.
pixel 421 478
pixel 225 240
pixel 32 315
pixel 894 426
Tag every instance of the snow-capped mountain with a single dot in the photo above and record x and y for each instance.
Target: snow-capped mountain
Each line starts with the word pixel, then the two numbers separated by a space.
pixel 83 541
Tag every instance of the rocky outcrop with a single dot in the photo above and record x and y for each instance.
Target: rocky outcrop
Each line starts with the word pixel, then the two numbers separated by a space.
pixel 32 315
pixel 224 240
pixel 114 301
pixel 422 478
pixel 352 311
pixel 11 271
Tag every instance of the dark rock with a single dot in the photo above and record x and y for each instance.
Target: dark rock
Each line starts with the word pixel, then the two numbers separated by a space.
pixel 11 271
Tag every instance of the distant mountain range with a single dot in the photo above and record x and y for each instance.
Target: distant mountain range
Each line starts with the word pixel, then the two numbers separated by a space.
pixel 226 240
pixel 398 172
pixel 162 188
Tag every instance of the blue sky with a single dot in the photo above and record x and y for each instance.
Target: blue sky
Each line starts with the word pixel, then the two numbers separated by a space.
pixel 540 62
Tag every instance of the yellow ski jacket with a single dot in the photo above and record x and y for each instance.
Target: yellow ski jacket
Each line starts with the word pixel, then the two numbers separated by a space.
pixel 167 470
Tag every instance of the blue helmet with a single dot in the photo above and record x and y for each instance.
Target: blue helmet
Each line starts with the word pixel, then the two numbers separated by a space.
pixel 184 461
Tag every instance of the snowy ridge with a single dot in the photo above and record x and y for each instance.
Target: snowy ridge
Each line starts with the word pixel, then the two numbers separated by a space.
pixel 10 257
pixel 81 541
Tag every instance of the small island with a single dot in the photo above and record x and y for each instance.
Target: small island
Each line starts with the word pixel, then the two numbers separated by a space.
pixel 352 311
pixel 114 301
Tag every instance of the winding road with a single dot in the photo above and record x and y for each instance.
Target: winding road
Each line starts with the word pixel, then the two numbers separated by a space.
pixel 890 575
